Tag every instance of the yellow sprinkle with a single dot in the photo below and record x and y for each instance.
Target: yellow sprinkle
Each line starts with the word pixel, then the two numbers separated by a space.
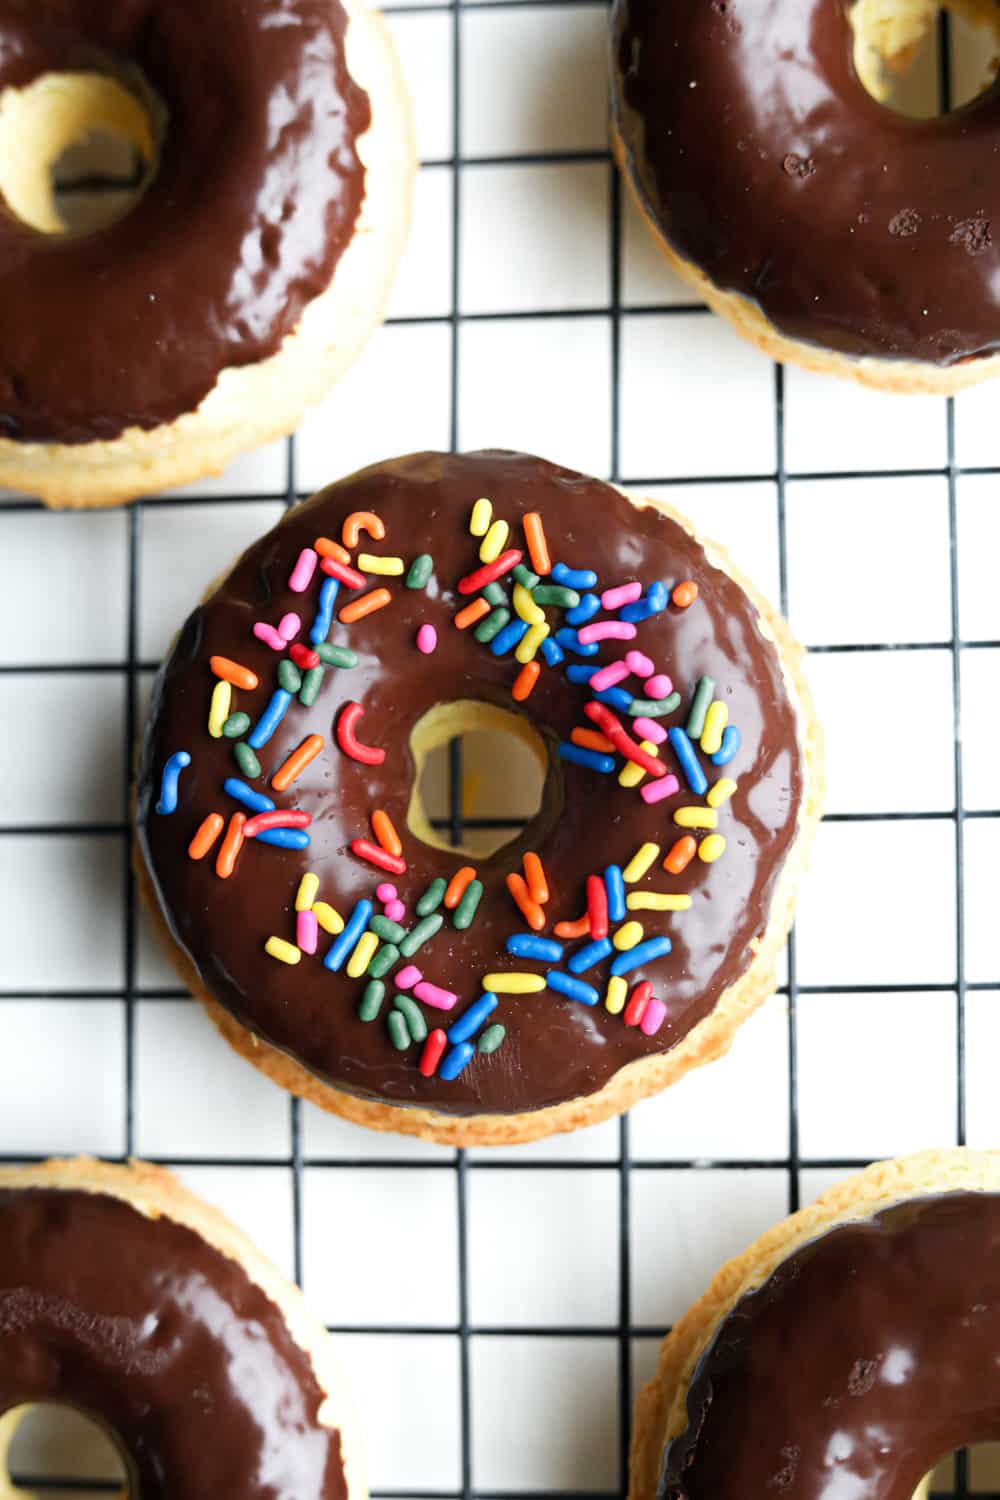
pixel 287 953
pixel 513 984
pixel 389 567
pixel 218 712
pixel 656 901
pixel 528 645
pixel 526 606
pixel 615 996
pixel 631 774
pixel 696 817
pixel 331 921
pixel 715 722
pixel 482 515
pixel 628 934
pixel 641 861
pixel 494 542
pixel 720 792
pixel 362 955
pixel 306 893
pixel 709 849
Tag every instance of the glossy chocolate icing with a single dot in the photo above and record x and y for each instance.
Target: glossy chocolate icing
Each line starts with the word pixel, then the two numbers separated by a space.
pixel 149 1329
pixel 864 1359
pixel 257 193
pixel 555 1049
pixel 762 159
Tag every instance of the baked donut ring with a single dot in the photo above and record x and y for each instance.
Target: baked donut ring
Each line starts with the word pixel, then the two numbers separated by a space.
pixel 126 1297
pixel 278 153
pixel 847 1351
pixel 828 230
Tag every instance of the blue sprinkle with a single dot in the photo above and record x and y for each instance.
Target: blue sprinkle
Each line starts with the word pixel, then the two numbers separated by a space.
pixel 269 719
pixel 571 641
pixel 573 578
pixel 526 945
pixel 324 614
pixel 588 607
pixel 642 953
pixel 168 784
pixel 240 792
pixel 455 1060
pixel 345 943
pixel 474 1017
pixel 615 697
pixel 689 762
pixel 574 989
pixel 614 884
pixel 589 955
pixel 284 838
pixel 552 651
pixel 655 602
pixel 579 673
pixel 593 759
pixel 731 741
pixel 508 637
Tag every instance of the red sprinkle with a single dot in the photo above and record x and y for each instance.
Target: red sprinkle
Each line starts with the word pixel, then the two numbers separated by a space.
pixel 622 740
pixel 303 657
pixel 368 755
pixel 638 1000
pixel 597 906
pixel 473 582
pixel 433 1052
pixel 280 818
pixel 381 858
pixel 349 577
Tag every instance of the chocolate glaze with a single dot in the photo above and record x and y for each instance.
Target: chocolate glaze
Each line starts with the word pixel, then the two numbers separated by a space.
pixel 762 159
pixel 864 1359
pixel 144 1326
pixel 258 190
pixel 555 1049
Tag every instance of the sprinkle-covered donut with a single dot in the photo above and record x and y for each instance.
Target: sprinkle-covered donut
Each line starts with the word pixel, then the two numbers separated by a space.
pixel 847 1352
pixel 337 939
pixel 125 1297
pixel 277 163
pixel 829 229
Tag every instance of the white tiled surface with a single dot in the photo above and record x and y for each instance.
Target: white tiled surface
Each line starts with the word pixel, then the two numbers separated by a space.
pixel 864 547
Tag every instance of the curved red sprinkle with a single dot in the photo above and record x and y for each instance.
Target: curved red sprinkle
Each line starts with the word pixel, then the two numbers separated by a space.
pixel 303 657
pixel 381 858
pixel 260 822
pixel 349 577
pixel 368 755
pixel 473 582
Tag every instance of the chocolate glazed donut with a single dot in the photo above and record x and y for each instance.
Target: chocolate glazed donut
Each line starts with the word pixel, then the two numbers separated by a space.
pixel 774 179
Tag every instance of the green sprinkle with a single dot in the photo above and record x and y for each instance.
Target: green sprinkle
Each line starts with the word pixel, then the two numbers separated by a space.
pixel 432 898
pixel 421 934
pixel 383 961
pixel 337 656
pixel 495 593
pixel 371 1000
pixel 525 576
pixel 554 593
pixel 236 726
pixel 387 930
pixel 289 676
pixel 654 708
pixel 492 625
pixel 246 760
pixel 399 1034
pixel 491 1038
pixel 699 707
pixel 311 686
pixel 421 569
pixel 415 1023
pixel 466 908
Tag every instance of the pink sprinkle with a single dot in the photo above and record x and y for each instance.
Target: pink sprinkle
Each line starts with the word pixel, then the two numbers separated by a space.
pixel 289 627
pixel 655 791
pixel 395 911
pixel 305 567
pixel 649 729
pixel 269 636
pixel 659 686
pixel 652 1017
pixel 306 931
pixel 606 630
pixel 433 994
pixel 639 663
pixel 625 593
pixel 386 891
pixel 408 977
pixel 615 671
pixel 427 639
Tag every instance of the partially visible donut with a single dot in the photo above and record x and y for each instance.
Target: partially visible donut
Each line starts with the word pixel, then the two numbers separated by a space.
pixel 124 1296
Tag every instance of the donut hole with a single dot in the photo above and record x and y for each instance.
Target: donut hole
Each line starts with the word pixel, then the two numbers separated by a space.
pixel 48 1448
pixel 78 150
pixel 481 773
pixel 973 1470
pixel 924 58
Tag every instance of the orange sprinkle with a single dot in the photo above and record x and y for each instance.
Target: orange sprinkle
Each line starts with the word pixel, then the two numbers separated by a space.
pixel 385 832
pixel 685 593
pixel 681 855
pixel 471 613
pixel 231 671
pixel 366 605
pixel 579 928
pixel 326 548
pixel 359 521
pixel 297 761
pixel 538 547
pixel 530 910
pixel 457 886
pixel 589 739
pixel 206 836
pixel 525 681
pixel 534 874
pixel 231 845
